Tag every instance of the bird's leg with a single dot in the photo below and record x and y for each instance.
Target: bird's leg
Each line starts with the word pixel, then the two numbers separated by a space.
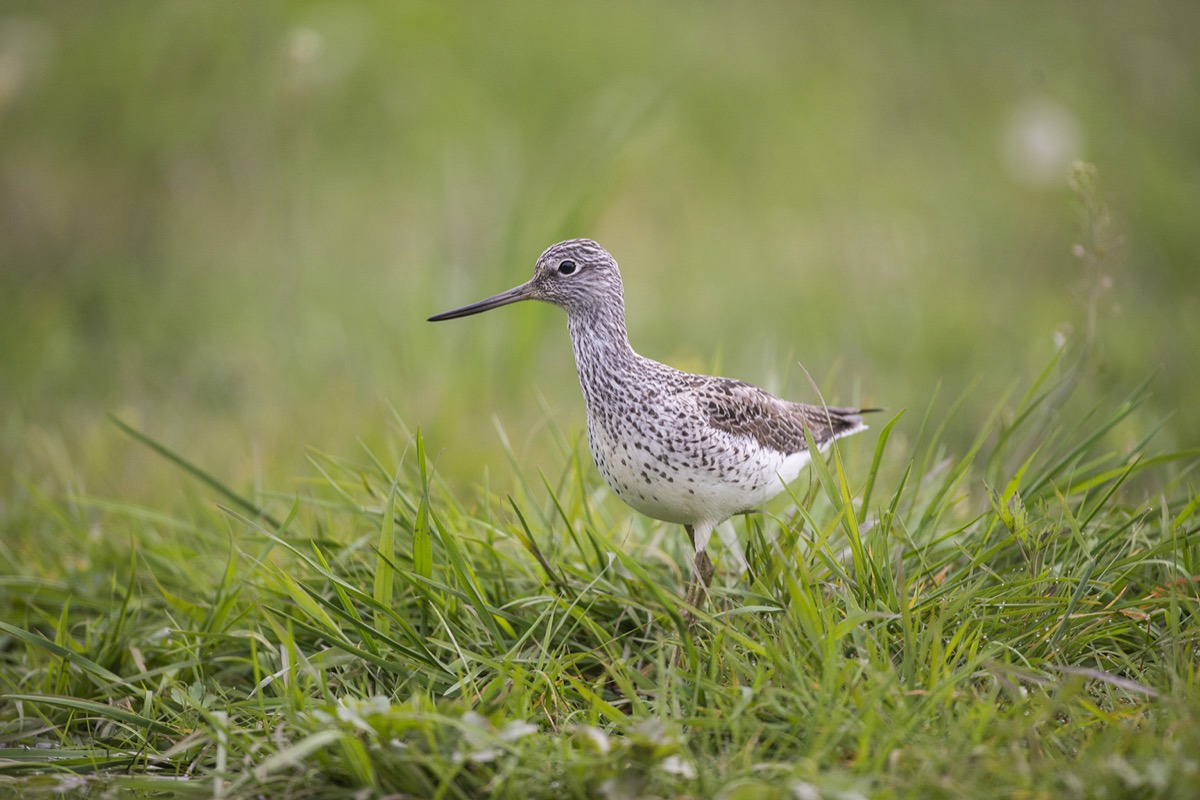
pixel 702 570
pixel 702 574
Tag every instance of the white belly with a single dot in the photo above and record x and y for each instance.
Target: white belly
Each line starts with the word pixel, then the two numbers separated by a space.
pixel 724 476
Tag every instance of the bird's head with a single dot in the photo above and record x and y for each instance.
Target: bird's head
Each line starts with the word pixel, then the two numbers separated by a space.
pixel 578 275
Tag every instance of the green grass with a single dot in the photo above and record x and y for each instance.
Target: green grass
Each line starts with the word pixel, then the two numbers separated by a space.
pixel 1021 619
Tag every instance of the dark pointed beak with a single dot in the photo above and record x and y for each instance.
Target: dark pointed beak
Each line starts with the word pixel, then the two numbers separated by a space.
pixel 518 293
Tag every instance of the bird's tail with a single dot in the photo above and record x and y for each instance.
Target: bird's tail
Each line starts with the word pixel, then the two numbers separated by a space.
pixel 845 420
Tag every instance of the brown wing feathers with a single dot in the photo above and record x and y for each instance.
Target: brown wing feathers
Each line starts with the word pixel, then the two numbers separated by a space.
pixel 745 410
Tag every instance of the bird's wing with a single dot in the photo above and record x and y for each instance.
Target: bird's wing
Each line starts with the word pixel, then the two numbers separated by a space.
pixel 745 410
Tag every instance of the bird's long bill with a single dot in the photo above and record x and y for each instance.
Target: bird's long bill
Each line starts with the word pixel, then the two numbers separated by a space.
pixel 523 292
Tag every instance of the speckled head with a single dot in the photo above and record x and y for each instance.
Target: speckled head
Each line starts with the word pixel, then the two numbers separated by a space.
pixel 578 275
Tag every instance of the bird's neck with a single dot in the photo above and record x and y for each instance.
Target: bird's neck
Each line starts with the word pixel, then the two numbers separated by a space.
pixel 602 349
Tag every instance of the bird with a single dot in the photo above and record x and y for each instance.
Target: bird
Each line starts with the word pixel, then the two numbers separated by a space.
pixel 679 447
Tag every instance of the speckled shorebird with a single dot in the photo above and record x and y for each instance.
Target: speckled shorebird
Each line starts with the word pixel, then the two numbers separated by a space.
pixel 684 448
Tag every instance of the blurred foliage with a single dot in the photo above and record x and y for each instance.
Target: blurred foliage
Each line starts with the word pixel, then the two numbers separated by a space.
pixel 228 221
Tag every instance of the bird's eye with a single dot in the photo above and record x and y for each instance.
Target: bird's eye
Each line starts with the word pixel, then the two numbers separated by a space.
pixel 566 268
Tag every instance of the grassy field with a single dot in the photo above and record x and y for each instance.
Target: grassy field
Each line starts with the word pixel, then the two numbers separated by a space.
pixel 265 532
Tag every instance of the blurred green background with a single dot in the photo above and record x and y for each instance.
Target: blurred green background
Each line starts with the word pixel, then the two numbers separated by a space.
pixel 226 222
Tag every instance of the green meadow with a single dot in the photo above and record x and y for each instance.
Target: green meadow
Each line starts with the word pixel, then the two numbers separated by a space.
pixel 265 532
